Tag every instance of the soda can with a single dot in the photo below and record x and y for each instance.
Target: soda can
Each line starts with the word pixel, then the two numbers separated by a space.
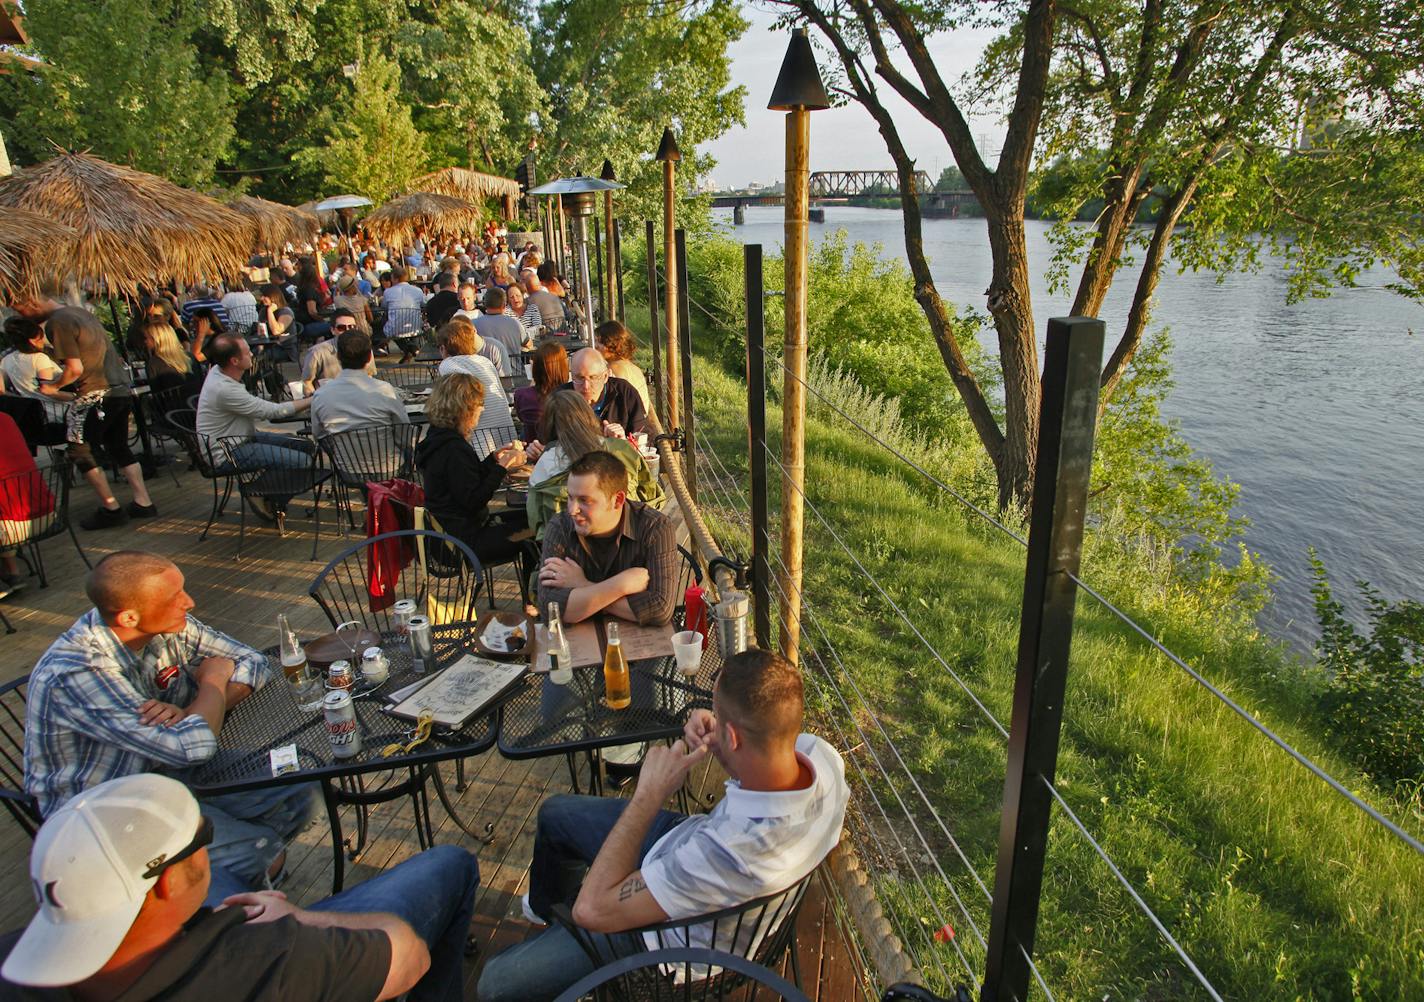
pixel 422 647
pixel 375 668
pixel 261 329
pixel 339 675
pixel 400 615
pixel 342 730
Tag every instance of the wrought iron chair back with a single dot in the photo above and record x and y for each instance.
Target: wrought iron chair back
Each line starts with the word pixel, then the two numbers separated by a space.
pixel 657 971
pixel 373 453
pixel 34 506
pixel 435 570
pixel 408 376
pixel 761 931
pixel 258 467
pixel 22 808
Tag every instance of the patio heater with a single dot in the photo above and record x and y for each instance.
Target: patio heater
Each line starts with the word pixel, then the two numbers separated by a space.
pixel 579 197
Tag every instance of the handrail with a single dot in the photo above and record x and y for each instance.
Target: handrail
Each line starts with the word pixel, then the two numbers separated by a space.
pixel 721 578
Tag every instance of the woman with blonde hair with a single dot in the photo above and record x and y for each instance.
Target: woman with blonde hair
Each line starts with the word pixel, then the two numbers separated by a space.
pixel 570 430
pixel 458 482
pixel 617 346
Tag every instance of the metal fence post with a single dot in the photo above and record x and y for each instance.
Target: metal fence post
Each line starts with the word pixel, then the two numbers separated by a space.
pixel 654 331
pixel 618 267
pixel 756 452
pixel 689 454
pixel 1072 361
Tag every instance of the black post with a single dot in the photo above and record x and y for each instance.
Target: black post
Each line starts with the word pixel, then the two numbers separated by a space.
pixel 756 453
pixel 603 308
pixel 684 332
pixel 1072 361
pixel 654 331
pixel 618 270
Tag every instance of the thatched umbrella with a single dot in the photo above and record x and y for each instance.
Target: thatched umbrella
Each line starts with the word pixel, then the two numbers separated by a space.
pixel 470 185
pixel 131 227
pixel 31 245
pixel 277 225
pixel 397 220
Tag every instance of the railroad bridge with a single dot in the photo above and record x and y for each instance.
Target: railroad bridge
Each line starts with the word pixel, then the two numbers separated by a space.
pixel 843 185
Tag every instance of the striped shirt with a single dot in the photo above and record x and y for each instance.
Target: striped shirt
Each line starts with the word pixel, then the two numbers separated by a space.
pixel 81 723
pixel 752 844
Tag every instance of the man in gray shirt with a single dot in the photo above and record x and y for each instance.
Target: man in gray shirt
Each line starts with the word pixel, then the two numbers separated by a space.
pixel 502 328
pixel 353 399
pixel 551 307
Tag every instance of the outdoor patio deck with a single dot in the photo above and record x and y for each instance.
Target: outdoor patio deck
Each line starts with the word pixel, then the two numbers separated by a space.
pixel 243 599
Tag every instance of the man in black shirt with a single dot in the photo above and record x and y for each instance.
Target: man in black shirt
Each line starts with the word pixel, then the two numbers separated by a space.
pixel 615 401
pixel 446 301
pixel 121 872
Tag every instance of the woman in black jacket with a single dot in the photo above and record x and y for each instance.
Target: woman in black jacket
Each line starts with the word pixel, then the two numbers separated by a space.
pixel 458 483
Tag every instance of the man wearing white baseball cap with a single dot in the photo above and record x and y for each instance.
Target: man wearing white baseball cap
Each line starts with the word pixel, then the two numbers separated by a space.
pixel 120 873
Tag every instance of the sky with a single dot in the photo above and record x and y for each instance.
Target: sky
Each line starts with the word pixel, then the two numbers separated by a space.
pixel 841 138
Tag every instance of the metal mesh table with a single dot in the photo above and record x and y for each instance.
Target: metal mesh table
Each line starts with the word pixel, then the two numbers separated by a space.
pixel 269 718
pixel 542 718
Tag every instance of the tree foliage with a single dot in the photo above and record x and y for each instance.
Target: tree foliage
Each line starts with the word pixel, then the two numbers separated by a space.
pixel 1283 126
pixel 123 79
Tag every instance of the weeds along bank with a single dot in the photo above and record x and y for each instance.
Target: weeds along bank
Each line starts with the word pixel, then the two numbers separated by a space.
pixel 1273 884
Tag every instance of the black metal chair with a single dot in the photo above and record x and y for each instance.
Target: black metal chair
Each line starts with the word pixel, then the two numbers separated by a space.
pixel 184 424
pixel 442 577
pixel 403 325
pixel 408 375
pixel 260 478
pixel 903 991
pixel 487 440
pixel 439 573
pixel 34 506
pixel 361 456
pixel 655 975
pixel 760 931
pixel 22 807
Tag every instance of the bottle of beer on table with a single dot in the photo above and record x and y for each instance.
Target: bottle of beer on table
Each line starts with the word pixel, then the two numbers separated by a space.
pixel 616 687
pixel 294 658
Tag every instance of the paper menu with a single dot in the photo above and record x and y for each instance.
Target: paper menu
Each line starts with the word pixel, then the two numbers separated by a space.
pixel 587 642
pixel 585 646
pixel 460 691
pixel 644 642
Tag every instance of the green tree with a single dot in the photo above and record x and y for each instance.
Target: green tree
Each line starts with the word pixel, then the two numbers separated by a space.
pixel 375 148
pixel 1198 105
pixel 122 79
pixel 615 78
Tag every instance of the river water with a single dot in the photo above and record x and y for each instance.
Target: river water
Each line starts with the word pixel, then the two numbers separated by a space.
pixel 1314 409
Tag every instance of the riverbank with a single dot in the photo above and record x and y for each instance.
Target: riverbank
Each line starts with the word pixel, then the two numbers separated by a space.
pixel 1312 408
pixel 1225 838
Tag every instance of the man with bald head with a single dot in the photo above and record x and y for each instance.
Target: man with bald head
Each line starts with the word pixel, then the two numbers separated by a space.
pixel 615 401
pixel 138 685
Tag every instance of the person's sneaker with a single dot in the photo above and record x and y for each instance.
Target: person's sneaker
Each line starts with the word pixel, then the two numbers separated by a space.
pixel 262 508
pixel 529 914
pixel 137 510
pixel 104 518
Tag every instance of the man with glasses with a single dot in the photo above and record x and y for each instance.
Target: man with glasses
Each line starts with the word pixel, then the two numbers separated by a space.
pixel 320 362
pixel 615 401
pixel 121 874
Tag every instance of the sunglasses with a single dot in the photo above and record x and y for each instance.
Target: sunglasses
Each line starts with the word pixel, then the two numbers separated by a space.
pixel 201 840
pixel 343 327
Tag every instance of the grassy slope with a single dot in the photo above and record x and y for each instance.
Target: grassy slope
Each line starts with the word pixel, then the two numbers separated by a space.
pixel 1272 883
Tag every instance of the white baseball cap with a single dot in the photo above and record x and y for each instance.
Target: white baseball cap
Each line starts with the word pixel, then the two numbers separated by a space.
pixel 91 867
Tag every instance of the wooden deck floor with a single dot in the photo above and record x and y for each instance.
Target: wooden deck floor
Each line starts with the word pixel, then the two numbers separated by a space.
pixel 243 599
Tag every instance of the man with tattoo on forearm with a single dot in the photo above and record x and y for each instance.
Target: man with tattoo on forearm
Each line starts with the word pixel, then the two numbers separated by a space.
pixel 781 815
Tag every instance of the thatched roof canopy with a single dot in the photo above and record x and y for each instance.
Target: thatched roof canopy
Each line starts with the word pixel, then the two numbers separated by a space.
pixel 470 185
pixel 277 225
pixel 397 220
pixel 131 227
pixel 31 246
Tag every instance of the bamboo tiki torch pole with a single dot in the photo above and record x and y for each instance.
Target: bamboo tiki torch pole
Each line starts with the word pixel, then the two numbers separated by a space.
pixel 610 290
pixel 793 407
pixel 669 154
pixel 798 92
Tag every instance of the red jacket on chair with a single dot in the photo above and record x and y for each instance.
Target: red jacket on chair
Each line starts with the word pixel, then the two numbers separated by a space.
pixel 389 507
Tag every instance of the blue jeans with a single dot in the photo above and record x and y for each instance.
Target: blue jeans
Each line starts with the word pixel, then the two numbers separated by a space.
pixel 570 833
pixel 251 829
pixel 434 893
pixel 269 448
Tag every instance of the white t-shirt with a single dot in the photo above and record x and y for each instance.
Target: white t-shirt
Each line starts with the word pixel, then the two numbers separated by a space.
pixel 752 844
pixel 25 370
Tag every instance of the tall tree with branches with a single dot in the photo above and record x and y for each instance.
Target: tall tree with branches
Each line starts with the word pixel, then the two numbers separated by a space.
pixel 1239 128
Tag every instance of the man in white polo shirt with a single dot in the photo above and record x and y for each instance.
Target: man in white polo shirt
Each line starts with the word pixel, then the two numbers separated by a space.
pixel 781 815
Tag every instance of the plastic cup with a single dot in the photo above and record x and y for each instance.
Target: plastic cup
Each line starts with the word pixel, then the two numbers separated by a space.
pixel 687 648
pixel 295 389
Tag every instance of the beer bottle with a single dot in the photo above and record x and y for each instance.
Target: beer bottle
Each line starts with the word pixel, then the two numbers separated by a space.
pixel 616 688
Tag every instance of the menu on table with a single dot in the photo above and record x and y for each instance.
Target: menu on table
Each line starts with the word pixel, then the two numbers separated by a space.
pixel 588 641
pixel 460 692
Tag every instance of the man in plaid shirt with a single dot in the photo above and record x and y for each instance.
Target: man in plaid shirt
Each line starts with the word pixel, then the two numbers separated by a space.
pixel 138 685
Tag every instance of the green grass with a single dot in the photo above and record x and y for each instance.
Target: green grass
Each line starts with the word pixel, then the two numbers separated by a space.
pixel 1277 887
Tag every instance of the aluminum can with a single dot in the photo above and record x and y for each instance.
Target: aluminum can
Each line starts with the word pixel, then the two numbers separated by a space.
pixel 400 615
pixel 261 328
pixel 342 729
pixel 339 675
pixel 422 646
pixel 375 668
